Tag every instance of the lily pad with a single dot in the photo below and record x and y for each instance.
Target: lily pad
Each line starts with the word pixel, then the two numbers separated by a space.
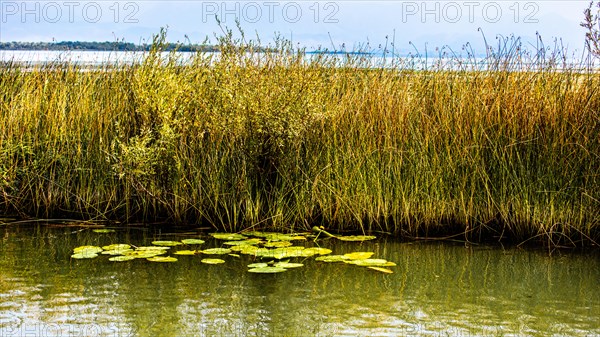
pixel 103 230
pixel 258 265
pixel 332 258
pixel 371 263
pixel 383 270
pixel 152 248
pixel 161 259
pixel 243 242
pixel 287 265
pixel 234 255
pixel 267 270
pixel 212 261
pixel 192 241
pixel 356 237
pixel 278 244
pixel 117 246
pixel 87 249
pixel 84 255
pixel 359 255
pixel 280 253
pixel 144 254
pixel 122 258
pixel 216 251
pixel 117 251
pixel 185 252
pixel 227 236
pixel 246 249
pixel 316 251
pixel 167 243
pixel 283 237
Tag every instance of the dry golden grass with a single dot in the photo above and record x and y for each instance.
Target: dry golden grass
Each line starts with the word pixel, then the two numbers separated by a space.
pixel 286 141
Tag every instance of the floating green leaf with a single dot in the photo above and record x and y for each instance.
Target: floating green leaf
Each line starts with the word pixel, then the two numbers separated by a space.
pixel 117 251
pixel 316 251
pixel 87 249
pixel 185 252
pixel 84 255
pixel 161 259
pixel 146 252
pixel 287 265
pixel 283 237
pixel 216 251
pixel 192 241
pixel 371 263
pixel 234 255
pixel 212 261
pixel 267 270
pixel 103 230
pixel 152 248
pixel 258 265
pixel 117 246
pixel 243 242
pixel 383 270
pixel 280 253
pixel 167 243
pixel 245 249
pixel 227 236
pixel 332 258
pixel 277 244
pixel 122 258
pixel 359 255
pixel 356 238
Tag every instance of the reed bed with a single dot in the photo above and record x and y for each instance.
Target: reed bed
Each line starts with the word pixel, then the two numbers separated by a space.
pixel 247 138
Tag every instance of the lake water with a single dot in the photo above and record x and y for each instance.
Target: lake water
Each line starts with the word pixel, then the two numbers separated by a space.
pixel 437 289
pixel 94 58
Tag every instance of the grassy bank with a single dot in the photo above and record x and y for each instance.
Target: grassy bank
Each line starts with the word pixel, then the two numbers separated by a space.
pixel 240 138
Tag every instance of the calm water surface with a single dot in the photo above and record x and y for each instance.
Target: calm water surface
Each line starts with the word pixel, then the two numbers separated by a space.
pixel 438 289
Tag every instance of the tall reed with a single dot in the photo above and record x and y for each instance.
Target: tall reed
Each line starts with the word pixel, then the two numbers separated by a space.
pixel 285 140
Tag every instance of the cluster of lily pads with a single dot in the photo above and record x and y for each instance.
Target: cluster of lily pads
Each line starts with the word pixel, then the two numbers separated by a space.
pixel 276 248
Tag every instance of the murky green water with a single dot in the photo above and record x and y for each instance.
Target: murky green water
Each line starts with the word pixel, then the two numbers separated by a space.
pixel 436 290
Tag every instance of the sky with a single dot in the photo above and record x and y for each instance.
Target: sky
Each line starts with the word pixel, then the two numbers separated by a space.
pixel 407 25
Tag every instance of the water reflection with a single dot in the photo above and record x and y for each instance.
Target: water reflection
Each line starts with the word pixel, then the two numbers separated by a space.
pixel 436 290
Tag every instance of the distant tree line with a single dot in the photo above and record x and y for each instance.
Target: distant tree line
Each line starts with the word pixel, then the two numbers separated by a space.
pixel 100 46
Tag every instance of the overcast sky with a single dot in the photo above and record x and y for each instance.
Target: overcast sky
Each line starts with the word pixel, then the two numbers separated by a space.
pixel 308 23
